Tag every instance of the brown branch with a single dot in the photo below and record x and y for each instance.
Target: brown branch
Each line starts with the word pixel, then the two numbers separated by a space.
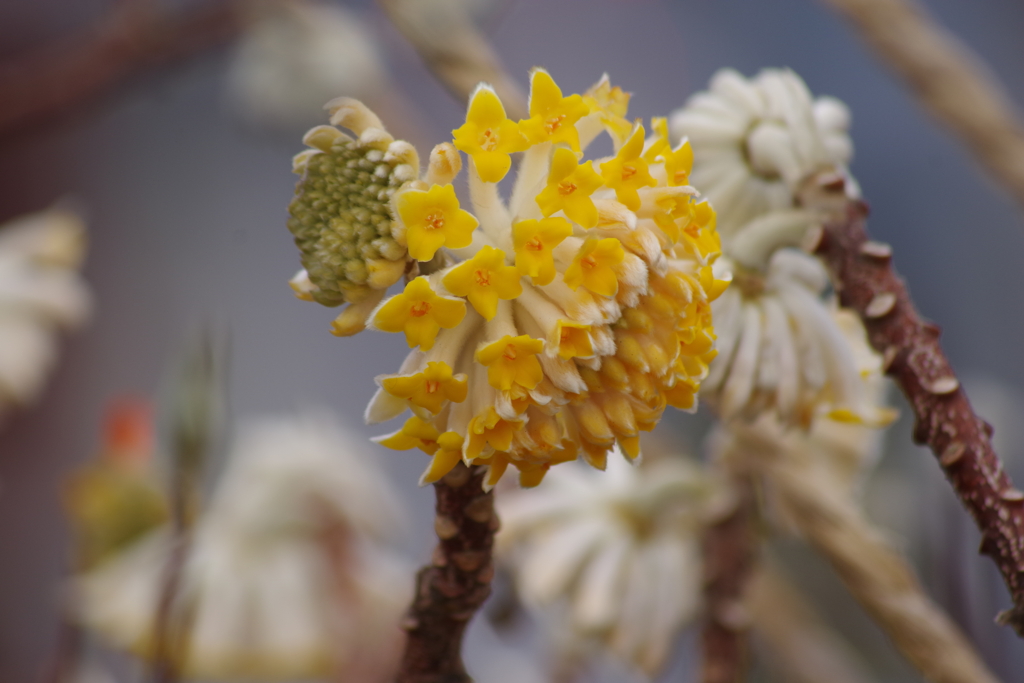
pixel 454 50
pixel 57 79
pixel 948 79
pixel 452 588
pixel 866 282
pixel 730 551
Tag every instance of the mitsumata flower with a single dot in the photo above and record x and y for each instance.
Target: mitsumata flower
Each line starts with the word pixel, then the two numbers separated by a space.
pixel 545 326
pixel 620 551
pixel 766 153
pixel 291 573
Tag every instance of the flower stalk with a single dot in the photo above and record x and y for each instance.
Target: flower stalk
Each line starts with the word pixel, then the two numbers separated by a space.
pixel 730 554
pixel 455 584
pixel 944 420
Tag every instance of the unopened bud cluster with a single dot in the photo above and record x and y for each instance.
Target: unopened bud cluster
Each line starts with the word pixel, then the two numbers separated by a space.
pixel 341 219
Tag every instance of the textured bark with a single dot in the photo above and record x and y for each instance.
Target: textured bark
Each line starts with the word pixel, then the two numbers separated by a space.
pixel 730 551
pixel 944 419
pixel 451 589
pixel 53 81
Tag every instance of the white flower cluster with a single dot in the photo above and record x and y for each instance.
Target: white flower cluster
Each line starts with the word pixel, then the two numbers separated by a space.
pixel 40 293
pixel 621 547
pixel 288 574
pixel 764 149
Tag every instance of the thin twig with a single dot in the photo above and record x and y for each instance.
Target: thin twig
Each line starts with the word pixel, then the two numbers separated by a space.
pixel 454 50
pixel 948 79
pixel 455 584
pixel 863 275
pixel 823 512
pixel 730 551
pixel 803 647
pixel 56 80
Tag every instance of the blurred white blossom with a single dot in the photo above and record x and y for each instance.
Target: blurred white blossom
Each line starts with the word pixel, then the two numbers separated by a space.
pixel 618 551
pixel 289 573
pixel 756 142
pixel 298 55
pixel 40 293
pixel 763 150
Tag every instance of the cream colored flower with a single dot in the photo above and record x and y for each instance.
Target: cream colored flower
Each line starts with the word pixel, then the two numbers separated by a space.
pixel 619 551
pixel 756 142
pixel 846 446
pixel 780 347
pixel 295 56
pixel 40 293
pixel 763 150
pixel 556 322
pixel 289 574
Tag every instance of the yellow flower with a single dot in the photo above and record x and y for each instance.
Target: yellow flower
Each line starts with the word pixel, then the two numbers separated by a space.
pixel 590 315
pixel 678 162
pixel 569 187
pixel 659 124
pixel 483 280
pixel 533 241
pixel 574 340
pixel 512 361
pixel 420 313
pixel 612 104
pixel 552 117
pixel 415 433
pixel 489 429
pixel 627 171
pixel 594 266
pixel 433 219
pixel 447 456
pixel 488 136
pixel 429 389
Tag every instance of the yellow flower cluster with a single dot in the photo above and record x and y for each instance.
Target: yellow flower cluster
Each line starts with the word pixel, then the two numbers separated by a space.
pixel 560 321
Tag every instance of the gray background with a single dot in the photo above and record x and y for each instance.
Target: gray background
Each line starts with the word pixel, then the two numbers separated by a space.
pixel 187 210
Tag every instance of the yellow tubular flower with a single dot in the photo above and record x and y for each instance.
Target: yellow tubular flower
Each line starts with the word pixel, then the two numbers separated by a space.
pixel 594 266
pixel 533 241
pixel 679 164
pixel 552 117
pixel 611 103
pixel 512 361
pixel 447 456
pixel 483 280
pixel 488 136
pixel 557 322
pixel 569 187
pixel 659 124
pixel 420 313
pixel 627 171
pixel 489 429
pixel 429 389
pixel 433 219
pixel 415 433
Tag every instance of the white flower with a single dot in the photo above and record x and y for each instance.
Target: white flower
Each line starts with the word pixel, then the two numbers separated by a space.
pixel 621 547
pixel 287 575
pixel 757 141
pixel 40 292
pixel 298 55
pixel 780 347
pixel 846 447
pixel 763 148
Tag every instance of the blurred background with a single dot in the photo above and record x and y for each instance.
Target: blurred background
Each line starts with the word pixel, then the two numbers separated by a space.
pixel 183 174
